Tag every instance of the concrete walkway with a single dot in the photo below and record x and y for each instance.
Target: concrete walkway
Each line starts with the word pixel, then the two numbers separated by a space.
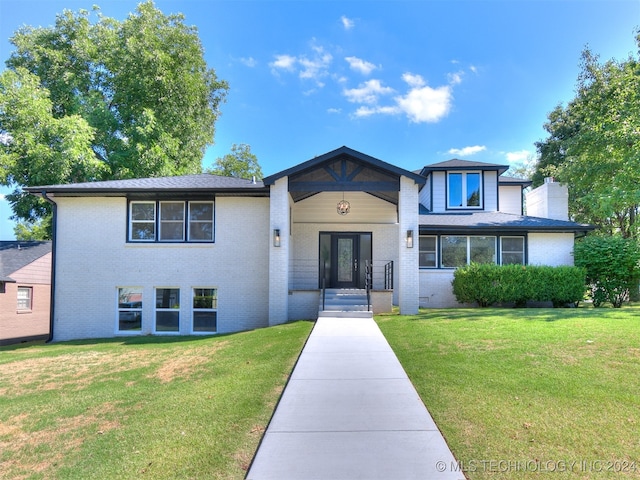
pixel 349 411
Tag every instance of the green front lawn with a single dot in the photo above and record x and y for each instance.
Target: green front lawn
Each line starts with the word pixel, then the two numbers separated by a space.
pixel 142 407
pixel 520 392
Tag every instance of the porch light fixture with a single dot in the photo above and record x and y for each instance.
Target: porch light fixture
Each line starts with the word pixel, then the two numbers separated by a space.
pixel 276 237
pixel 409 238
pixel 343 206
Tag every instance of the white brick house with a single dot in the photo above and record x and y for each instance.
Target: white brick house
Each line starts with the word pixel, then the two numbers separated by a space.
pixel 204 254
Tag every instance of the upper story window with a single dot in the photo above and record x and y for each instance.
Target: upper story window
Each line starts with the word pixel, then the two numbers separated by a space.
pixel 171 221
pixel 464 190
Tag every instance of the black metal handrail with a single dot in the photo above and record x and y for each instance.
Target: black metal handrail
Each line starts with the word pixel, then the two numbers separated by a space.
pixel 324 283
pixel 388 276
pixel 368 280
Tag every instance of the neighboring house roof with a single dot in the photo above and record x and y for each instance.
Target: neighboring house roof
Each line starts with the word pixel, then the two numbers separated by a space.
pixel 194 184
pixel 457 164
pixel 15 255
pixel 496 221
pixel 367 159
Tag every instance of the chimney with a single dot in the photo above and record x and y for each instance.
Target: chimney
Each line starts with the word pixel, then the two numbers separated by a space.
pixel 549 200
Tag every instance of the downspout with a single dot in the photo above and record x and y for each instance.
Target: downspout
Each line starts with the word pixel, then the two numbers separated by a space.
pixel 52 301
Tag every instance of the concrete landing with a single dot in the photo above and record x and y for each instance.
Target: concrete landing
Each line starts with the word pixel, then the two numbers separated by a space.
pixel 349 411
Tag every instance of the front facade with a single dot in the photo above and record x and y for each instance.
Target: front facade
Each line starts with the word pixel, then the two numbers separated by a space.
pixel 204 254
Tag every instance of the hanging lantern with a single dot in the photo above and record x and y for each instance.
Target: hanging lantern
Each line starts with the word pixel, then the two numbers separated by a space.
pixel 343 206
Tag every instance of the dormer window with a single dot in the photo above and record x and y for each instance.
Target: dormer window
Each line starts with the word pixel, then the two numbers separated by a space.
pixel 464 190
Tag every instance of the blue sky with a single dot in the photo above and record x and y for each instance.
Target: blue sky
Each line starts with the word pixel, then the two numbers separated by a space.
pixel 408 82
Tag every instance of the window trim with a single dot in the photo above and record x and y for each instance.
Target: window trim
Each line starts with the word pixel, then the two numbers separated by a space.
pixel 194 309
pixel 162 222
pixel 29 299
pixel 524 249
pixel 435 252
pixel 463 192
pixel 129 309
pixel 162 309
pixel 157 222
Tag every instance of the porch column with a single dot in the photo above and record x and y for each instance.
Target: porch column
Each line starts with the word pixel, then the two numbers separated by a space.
pixel 279 255
pixel 408 257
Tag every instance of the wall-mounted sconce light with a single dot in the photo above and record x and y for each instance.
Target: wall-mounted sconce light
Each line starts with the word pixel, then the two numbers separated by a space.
pixel 409 238
pixel 276 237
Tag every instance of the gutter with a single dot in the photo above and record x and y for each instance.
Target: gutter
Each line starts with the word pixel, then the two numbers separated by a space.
pixel 52 301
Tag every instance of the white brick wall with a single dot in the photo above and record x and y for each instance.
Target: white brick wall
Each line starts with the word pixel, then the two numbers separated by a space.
pixel 279 257
pixel 553 249
pixel 408 284
pixel 549 200
pixel 93 259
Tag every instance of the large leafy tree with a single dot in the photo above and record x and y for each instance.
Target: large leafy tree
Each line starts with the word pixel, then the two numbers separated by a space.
pixel 97 98
pixel 594 145
pixel 240 163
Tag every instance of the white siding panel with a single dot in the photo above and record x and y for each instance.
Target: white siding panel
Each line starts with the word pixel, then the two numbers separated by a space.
pixel 425 193
pixel 511 199
pixel 365 208
pixel 491 191
pixel 439 192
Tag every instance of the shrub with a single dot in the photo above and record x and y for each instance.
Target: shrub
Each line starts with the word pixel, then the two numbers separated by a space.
pixel 612 265
pixel 488 284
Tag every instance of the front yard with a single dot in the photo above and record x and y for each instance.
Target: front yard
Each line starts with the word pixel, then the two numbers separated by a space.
pixel 520 392
pixel 143 407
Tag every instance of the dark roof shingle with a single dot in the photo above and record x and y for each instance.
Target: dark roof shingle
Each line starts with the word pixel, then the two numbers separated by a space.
pixel 15 255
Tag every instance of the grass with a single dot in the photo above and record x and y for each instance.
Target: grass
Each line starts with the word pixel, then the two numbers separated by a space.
pixel 520 392
pixel 143 407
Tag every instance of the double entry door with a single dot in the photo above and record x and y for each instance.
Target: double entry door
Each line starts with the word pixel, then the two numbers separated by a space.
pixel 343 256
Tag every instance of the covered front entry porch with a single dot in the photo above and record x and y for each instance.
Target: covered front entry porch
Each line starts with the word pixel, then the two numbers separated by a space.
pixel 335 215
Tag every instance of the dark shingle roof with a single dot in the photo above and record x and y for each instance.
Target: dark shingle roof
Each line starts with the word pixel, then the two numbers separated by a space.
pixel 457 164
pixel 15 255
pixel 494 221
pixel 514 181
pixel 202 183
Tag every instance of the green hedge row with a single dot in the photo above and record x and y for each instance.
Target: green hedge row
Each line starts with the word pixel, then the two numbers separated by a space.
pixel 488 284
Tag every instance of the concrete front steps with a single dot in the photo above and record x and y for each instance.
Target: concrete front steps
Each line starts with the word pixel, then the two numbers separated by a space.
pixel 345 303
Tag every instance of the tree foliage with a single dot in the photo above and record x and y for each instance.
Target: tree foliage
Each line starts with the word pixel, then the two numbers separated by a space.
pixel 240 163
pixel 594 145
pixel 87 100
pixel 613 267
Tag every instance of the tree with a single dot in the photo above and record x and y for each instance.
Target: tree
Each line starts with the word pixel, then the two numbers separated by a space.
pixel 240 163
pixel 594 145
pixel 613 267
pixel 83 101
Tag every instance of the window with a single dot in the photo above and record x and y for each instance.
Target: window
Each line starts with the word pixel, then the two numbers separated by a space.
pixel 428 252
pixel 205 305
pixel 512 250
pixel 167 310
pixel 143 221
pixel 201 221
pixel 465 190
pixel 171 221
pixel 129 309
pixel 25 297
pixel 457 251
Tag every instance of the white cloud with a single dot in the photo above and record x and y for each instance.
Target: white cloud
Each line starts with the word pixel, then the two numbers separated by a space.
pixel 249 62
pixel 316 66
pixel 283 62
pixel 414 81
pixel 426 104
pixel 334 110
pixel 368 92
pixel 347 23
pixel 455 78
pixel 467 151
pixel 520 156
pixel 360 65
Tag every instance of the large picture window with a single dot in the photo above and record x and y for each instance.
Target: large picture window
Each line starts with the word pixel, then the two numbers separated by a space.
pixel 130 309
pixel 205 306
pixel 171 221
pixel 428 257
pixel 458 251
pixel 464 190
pixel 167 310
pixel 512 250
